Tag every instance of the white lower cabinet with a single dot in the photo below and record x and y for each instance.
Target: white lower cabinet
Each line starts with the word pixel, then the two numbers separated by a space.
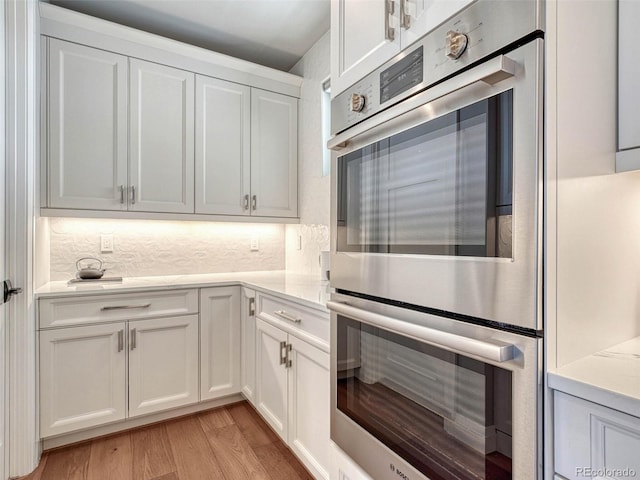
pixel 91 375
pixel 219 342
pixel 292 393
pixel 343 468
pixel 593 441
pixel 82 377
pixel 163 364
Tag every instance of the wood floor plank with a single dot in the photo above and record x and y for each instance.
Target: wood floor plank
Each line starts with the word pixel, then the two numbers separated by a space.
pixel 151 453
pixel 277 463
pixel 234 454
pixel 256 433
pixel 68 463
pixel 168 476
pixel 111 458
pixel 191 451
pixel 218 418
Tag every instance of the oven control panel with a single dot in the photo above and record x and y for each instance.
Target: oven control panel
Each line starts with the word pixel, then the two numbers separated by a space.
pixel 478 31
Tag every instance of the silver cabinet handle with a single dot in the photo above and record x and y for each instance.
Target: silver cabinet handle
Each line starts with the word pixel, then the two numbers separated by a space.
pixel 245 203
pixel 405 18
pixel 252 307
pixel 389 31
pixel 133 338
pixel 121 193
pixel 254 202
pixel 120 340
pixel 288 360
pixel 133 194
pixel 283 353
pixel 493 351
pixel 288 316
pixel 124 307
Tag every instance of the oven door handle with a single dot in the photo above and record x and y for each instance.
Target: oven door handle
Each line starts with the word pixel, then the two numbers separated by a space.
pixel 494 351
pixel 490 72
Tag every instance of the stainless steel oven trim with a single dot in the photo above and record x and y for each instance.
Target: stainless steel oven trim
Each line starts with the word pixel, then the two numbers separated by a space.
pixel 375 458
pixel 519 279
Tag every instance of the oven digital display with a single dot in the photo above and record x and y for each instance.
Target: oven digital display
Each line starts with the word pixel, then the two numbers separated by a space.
pixel 402 75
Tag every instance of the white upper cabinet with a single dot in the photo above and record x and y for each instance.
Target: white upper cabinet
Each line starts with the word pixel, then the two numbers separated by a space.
pixel 223 147
pixel 364 35
pixel 161 138
pixel 367 33
pixel 274 154
pixel 87 118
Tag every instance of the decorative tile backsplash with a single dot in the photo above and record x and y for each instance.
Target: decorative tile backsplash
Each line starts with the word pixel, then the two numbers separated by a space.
pixel 147 248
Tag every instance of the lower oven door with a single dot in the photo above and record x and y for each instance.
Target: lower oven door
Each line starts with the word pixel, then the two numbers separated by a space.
pixel 415 396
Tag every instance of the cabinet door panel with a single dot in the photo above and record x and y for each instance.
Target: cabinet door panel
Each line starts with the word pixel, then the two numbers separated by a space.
pixel 309 406
pixel 223 147
pixel 248 316
pixel 163 364
pixel 82 378
pixel 161 138
pixel 87 117
pixel 219 342
pixel 358 41
pixel 274 154
pixel 271 377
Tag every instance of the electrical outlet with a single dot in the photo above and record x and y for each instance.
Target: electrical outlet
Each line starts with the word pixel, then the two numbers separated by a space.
pixel 254 244
pixel 106 243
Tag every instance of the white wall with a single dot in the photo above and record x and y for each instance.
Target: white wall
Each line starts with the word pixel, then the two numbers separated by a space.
pixel 314 188
pixel 593 284
pixel 147 248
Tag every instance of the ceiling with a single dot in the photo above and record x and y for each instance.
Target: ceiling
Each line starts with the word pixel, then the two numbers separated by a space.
pixel 275 33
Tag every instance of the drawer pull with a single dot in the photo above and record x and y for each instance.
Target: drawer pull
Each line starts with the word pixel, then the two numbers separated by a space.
pixel 133 339
pixel 120 340
pixel 288 316
pixel 252 307
pixel 125 307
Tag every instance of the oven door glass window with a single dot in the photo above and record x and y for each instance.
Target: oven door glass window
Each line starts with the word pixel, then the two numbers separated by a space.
pixel 448 415
pixel 440 188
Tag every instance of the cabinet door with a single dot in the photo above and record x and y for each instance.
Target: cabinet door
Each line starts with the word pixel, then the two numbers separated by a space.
pixel 274 154
pixel 219 342
pixel 628 75
pixel 87 127
pixel 223 147
pixel 364 35
pixel 248 326
pixel 271 376
pixel 163 364
pixel 425 15
pixel 161 138
pixel 309 406
pixel 82 377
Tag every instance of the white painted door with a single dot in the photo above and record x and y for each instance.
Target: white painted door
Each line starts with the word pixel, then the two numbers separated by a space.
pixel 309 406
pixel 87 134
pixel 271 376
pixel 163 363
pixel 248 327
pixel 274 154
pixel 364 35
pixel 161 137
pixel 220 349
pixel 425 15
pixel 82 377
pixel 223 147
pixel 4 470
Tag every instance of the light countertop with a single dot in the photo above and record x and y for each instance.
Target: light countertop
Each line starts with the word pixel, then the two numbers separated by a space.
pixel 610 377
pixel 308 290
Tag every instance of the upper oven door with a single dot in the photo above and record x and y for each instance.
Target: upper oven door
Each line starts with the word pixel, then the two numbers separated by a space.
pixel 437 201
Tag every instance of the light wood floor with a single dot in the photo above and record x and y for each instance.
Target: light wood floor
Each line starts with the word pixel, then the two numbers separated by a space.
pixel 228 443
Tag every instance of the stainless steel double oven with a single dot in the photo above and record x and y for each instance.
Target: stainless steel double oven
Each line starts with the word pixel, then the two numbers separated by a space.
pixel 437 193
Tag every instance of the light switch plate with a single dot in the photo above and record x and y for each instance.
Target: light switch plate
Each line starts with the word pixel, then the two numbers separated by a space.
pixel 254 244
pixel 106 243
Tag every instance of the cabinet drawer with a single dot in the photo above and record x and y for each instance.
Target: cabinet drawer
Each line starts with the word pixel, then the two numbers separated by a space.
pixel 591 440
pixel 67 311
pixel 294 318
